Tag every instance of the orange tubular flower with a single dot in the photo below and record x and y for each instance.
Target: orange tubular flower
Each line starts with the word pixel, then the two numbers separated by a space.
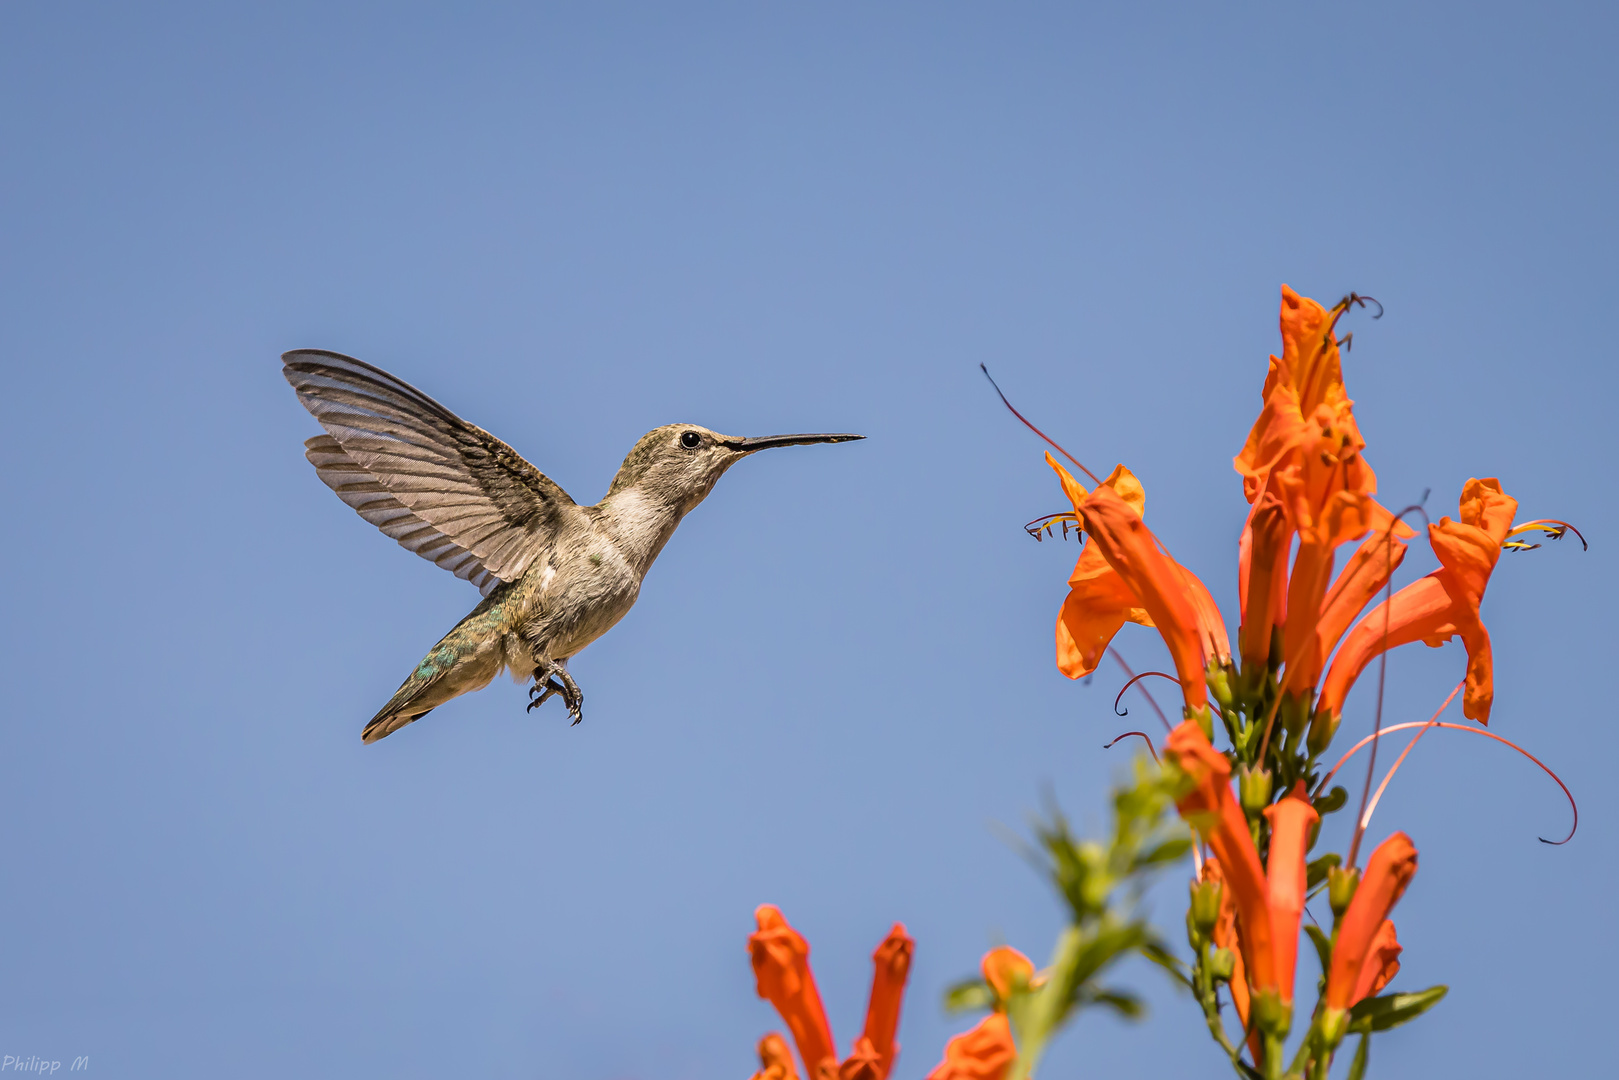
pixel 1382 963
pixel 1443 605
pixel 1099 602
pixel 1262 574
pixel 984 1053
pixel 1305 452
pixel 892 966
pixel 1346 516
pixel 775 1060
pixel 1388 872
pixel 1291 820
pixel 1158 582
pixel 1378 556
pixel 781 967
pixel 1307 425
pixel 1210 807
pixel 863 1063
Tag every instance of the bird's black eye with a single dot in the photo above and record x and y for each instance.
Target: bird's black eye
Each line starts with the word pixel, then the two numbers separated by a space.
pixel 690 440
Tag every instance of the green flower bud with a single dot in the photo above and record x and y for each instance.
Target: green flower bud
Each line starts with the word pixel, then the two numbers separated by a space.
pixel 1222 964
pixel 1204 718
pixel 1341 885
pixel 1333 1026
pixel 1219 679
pixel 1295 712
pixel 1206 906
pixel 1253 788
pixel 1270 1015
pixel 1323 726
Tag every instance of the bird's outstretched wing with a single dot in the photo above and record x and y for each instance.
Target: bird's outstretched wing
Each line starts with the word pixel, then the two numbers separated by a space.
pixel 445 489
pixel 366 496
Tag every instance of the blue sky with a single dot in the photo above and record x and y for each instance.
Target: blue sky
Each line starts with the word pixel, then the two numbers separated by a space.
pixel 574 223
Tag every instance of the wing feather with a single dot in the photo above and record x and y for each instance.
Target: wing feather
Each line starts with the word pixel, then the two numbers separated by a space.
pixel 367 497
pixel 407 464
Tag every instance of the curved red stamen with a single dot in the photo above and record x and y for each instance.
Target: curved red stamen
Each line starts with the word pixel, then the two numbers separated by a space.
pixel 1367 802
pixel 1126 735
pixel 1037 431
pixel 1135 679
pixel 1145 692
pixel 1476 731
pixel 1372 737
pixel 1371 807
pixel 1383 670
pixel 1551 527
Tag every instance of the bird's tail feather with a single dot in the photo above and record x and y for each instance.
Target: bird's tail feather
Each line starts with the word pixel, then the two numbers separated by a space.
pixel 465 659
pixel 385 724
pixel 403 708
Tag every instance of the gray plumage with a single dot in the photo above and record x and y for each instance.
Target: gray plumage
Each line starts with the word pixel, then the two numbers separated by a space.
pixel 555 575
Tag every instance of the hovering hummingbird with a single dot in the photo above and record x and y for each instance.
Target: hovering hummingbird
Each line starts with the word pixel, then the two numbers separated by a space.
pixel 555 575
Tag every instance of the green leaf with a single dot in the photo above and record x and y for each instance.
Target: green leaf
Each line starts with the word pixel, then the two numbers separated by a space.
pixel 968 995
pixel 1316 872
pixel 1122 1002
pixel 1392 1010
pixel 1357 1068
pixel 1168 851
pixel 1323 947
pixel 1167 960
pixel 1332 801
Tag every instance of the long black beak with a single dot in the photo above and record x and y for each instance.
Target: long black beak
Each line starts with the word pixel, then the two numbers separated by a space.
pixel 766 442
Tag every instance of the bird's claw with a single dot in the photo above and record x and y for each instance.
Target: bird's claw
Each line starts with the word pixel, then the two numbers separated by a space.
pixel 566 688
pixel 540 691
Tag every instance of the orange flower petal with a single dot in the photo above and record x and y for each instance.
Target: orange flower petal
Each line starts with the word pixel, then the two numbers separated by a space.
pixel 891 965
pixel 1382 963
pixel 863 1063
pixel 1004 967
pixel 1443 605
pixel 984 1053
pixel 1291 820
pixel 1131 549
pixel 1212 809
pixel 1388 872
pixel 1098 602
pixel 781 968
pixel 775 1060
pixel 1262 573
pixel 1097 605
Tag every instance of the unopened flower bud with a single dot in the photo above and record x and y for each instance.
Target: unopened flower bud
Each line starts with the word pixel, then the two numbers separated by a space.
pixel 1295 712
pixel 1323 726
pixel 1204 718
pixel 1341 885
pixel 1206 906
pixel 1222 964
pixel 1270 1015
pixel 1253 788
pixel 1219 678
pixel 1333 1025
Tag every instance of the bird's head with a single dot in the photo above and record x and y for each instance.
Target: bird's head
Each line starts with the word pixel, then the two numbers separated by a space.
pixel 679 463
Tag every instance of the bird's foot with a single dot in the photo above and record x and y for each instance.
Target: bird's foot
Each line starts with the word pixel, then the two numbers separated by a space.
pixel 540 691
pixel 550 678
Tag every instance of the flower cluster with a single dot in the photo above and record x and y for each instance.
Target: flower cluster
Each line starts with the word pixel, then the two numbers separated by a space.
pixel 782 970
pixel 1315 552
pixel 1305 636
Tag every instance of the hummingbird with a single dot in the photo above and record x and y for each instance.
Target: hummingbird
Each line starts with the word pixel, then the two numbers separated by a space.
pixel 555 575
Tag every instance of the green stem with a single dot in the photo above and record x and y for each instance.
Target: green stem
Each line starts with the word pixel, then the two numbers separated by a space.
pixel 1273 1057
pixel 1208 996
